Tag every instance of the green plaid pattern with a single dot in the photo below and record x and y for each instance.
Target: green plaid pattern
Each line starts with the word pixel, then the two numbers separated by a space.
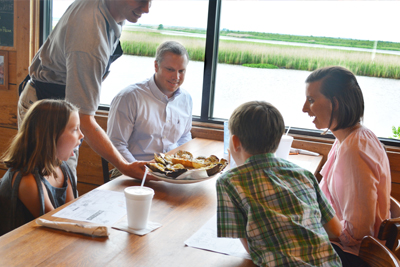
pixel 279 208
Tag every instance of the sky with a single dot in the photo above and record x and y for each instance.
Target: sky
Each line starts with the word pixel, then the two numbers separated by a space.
pixel 365 20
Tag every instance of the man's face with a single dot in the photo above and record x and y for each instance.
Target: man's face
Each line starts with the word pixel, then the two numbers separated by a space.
pixel 170 73
pixel 132 10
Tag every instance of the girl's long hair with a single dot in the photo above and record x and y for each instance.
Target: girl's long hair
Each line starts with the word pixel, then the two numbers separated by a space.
pixel 34 146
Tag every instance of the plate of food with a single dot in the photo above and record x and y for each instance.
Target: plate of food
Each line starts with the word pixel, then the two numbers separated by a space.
pixel 183 168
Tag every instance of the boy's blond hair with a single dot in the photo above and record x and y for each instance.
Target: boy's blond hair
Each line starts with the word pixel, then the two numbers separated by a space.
pixel 258 125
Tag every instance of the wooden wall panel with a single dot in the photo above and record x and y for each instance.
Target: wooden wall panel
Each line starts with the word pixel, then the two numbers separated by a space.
pixel 23 42
pixel 8 107
pixel 6 135
pixel 395 176
pixel 90 171
pixel 396 191
pixel 394 159
pixel 2 172
pixel 201 132
pixel 321 148
pixel 83 188
pixel 89 166
pixel 12 67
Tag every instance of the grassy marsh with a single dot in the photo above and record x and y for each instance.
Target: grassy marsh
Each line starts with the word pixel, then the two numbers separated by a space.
pixel 144 43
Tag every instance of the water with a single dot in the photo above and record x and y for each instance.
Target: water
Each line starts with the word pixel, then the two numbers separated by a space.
pixel 176 33
pixel 285 89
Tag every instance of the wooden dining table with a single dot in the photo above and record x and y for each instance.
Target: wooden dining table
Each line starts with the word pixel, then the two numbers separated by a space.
pixel 182 209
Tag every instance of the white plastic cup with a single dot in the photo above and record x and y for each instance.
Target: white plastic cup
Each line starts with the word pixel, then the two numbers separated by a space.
pixel 284 147
pixel 138 204
pixel 226 137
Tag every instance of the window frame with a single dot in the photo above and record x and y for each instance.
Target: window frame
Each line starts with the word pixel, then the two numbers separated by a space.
pixel 210 71
pixel 46 20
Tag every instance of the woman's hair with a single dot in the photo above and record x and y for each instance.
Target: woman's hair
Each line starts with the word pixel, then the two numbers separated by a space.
pixel 340 84
pixel 258 125
pixel 34 146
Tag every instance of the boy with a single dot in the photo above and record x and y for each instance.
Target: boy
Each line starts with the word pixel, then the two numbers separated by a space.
pixel 275 207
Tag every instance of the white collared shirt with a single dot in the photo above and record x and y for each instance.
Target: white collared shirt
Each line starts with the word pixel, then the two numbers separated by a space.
pixel 142 120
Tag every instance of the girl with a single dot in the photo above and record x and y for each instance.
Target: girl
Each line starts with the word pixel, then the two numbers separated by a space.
pixel 356 176
pixel 38 180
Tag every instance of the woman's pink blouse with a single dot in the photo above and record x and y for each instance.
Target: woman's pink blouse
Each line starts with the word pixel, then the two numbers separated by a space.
pixel 356 180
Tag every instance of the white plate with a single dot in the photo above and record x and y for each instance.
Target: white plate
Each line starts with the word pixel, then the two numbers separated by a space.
pixel 189 177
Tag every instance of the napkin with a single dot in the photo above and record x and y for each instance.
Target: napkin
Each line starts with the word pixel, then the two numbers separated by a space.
pixel 95 230
pixel 123 226
pixel 195 174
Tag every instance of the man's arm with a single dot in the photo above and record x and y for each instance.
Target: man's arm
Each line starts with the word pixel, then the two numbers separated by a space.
pixel 101 144
pixel 185 138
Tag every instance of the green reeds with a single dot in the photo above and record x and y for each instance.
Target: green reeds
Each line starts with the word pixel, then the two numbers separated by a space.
pixel 143 43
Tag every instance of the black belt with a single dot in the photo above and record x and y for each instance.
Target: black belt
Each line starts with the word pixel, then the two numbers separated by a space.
pixel 48 90
pixel 44 90
pixel 57 91
pixel 22 84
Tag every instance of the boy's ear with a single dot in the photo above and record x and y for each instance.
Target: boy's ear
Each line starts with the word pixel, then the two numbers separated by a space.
pixel 236 143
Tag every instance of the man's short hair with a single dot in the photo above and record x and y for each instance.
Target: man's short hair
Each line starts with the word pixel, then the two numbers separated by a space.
pixel 340 83
pixel 258 125
pixel 170 46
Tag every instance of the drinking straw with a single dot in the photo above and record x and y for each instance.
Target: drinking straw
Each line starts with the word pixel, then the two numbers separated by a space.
pixel 144 177
pixel 288 130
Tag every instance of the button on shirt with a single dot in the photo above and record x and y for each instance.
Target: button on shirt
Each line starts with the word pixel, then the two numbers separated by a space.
pixel 142 120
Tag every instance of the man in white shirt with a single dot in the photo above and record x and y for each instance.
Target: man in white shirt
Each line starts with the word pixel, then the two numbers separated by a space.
pixel 154 115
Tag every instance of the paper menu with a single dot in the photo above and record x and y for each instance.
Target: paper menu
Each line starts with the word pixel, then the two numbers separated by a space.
pixel 206 238
pixel 97 206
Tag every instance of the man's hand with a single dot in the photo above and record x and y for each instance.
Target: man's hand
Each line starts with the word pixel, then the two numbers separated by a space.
pixel 136 170
pixel 101 144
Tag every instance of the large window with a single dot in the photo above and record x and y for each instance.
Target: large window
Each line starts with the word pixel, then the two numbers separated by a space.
pixel 298 43
pixel 167 20
pixel 291 38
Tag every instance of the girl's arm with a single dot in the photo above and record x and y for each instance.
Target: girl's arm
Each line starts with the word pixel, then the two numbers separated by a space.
pixel 28 193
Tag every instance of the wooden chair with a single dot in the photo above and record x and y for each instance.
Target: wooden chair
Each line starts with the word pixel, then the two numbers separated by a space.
pixel 390 228
pixel 394 208
pixel 108 174
pixel 376 254
pixel 106 171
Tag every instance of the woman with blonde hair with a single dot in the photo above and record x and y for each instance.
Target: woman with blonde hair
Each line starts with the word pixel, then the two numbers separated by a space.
pixel 356 176
pixel 38 179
